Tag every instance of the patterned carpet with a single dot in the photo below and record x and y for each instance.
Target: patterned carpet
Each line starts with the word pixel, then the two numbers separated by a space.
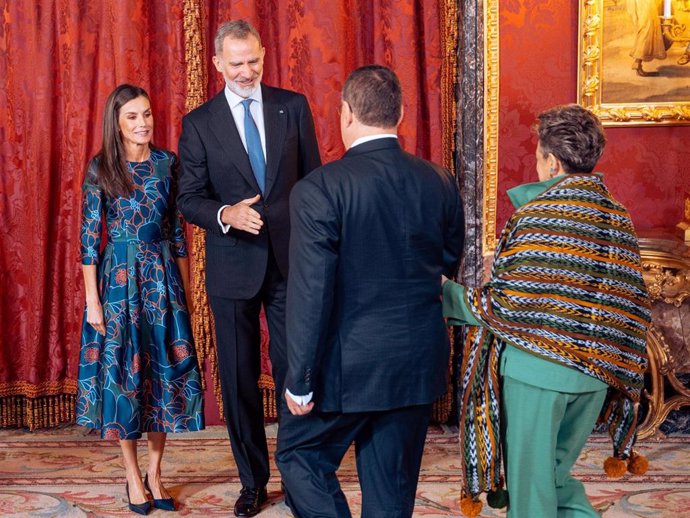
pixel 72 473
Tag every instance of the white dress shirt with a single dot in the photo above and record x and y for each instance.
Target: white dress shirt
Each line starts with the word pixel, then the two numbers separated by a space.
pixel 362 140
pixel 256 109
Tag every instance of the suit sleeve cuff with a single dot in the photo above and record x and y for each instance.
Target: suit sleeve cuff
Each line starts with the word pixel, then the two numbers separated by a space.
pixel 223 227
pixel 300 400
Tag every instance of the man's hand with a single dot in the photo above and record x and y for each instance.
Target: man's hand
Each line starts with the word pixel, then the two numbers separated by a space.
pixel 241 216
pixel 297 409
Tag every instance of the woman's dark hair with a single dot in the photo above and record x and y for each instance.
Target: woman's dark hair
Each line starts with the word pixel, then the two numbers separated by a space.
pixel 574 135
pixel 112 174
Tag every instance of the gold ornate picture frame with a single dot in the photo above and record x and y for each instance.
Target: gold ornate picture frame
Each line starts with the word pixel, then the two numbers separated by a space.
pixel 630 61
pixel 491 91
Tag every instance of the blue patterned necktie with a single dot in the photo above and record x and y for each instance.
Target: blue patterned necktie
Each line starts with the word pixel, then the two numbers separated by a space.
pixel 254 149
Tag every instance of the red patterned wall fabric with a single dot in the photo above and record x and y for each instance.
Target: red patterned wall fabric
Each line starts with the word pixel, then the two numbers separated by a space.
pixel 312 45
pixel 59 59
pixel 646 168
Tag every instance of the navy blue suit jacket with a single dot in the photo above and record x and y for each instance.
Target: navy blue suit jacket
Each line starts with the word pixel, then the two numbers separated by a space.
pixel 215 171
pixel 371 235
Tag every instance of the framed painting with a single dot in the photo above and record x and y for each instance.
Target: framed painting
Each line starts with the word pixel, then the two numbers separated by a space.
pixel 634 61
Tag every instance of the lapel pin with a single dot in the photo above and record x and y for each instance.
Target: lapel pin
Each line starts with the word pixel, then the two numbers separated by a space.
pixel 281 111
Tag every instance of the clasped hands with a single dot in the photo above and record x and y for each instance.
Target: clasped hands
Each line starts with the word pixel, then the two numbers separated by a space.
pixel 241 216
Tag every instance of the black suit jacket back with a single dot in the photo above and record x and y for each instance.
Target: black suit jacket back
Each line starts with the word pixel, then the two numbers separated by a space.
pixel 215 171
pixel 371 235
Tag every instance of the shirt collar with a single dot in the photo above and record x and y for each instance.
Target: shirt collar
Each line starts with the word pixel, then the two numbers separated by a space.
pixel 362 140
pixel 234 99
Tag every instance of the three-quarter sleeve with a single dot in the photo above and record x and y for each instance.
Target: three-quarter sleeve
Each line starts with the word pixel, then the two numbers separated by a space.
pixel 92 217
pixel 179 247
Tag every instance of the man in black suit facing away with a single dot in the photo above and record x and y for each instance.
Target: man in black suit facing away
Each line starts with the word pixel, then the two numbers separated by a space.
pixel 367 345
pixel 241 153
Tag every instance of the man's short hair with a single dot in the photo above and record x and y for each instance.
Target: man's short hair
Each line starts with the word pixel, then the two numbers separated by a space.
pixel 374 95
pixel 235 29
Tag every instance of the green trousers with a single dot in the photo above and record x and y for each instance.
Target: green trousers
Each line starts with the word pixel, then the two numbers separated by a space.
pixel 544 433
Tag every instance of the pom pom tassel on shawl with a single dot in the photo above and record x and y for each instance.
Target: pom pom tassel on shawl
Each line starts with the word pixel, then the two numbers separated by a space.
pixel 566 285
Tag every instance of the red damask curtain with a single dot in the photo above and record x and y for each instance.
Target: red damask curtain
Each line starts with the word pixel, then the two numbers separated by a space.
pixel 312 45
pixel 59 59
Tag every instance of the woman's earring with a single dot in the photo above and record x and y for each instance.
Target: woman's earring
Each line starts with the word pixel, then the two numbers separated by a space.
pixel 552 172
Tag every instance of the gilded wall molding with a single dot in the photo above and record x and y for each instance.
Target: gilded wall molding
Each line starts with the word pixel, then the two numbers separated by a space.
pixel 491 113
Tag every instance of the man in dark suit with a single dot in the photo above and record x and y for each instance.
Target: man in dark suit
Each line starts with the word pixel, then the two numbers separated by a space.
pixel 367 345
pixel 241 153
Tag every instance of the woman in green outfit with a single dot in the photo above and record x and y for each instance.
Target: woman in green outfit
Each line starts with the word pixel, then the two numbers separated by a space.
pixel 558 332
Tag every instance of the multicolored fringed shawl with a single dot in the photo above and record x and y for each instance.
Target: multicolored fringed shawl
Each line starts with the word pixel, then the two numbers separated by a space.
pixel 566 285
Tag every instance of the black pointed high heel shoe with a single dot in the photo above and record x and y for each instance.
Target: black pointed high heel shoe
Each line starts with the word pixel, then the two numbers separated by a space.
pixel 166 504
pixel 144 508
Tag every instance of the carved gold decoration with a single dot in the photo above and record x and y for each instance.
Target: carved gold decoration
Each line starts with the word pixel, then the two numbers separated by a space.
pixel 666 270
pixel 665 284
pixel 589 80
pixel 491 77
pixel 661 372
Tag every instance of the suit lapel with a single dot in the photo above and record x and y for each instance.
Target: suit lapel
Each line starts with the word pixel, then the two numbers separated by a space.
pixel 275 125
pixel 222 124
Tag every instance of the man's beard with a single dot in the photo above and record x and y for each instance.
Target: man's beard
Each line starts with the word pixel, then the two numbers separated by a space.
pixel 242 91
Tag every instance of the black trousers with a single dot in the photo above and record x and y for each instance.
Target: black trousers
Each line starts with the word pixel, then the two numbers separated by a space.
pixel 388 447
pixel 238 341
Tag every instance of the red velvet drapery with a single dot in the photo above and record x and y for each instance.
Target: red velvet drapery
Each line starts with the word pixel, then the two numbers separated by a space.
pixel 312 45
pixel 59 59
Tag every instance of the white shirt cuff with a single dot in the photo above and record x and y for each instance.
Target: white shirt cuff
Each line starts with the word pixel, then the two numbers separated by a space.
pixel 223 226
pixel 300 400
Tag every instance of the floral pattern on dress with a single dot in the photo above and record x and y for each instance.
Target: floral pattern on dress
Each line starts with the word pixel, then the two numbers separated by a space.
pixel 143 375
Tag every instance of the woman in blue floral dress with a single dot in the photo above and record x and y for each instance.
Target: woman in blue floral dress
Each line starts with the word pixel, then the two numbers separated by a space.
pixel 138 370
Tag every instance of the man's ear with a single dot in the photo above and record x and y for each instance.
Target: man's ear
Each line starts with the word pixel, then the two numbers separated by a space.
pixel 552 161
pixel 217 63
pixel 402 114
pixel 347 113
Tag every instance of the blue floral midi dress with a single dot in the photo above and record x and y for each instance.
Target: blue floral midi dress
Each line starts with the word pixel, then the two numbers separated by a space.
pixel 143 375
